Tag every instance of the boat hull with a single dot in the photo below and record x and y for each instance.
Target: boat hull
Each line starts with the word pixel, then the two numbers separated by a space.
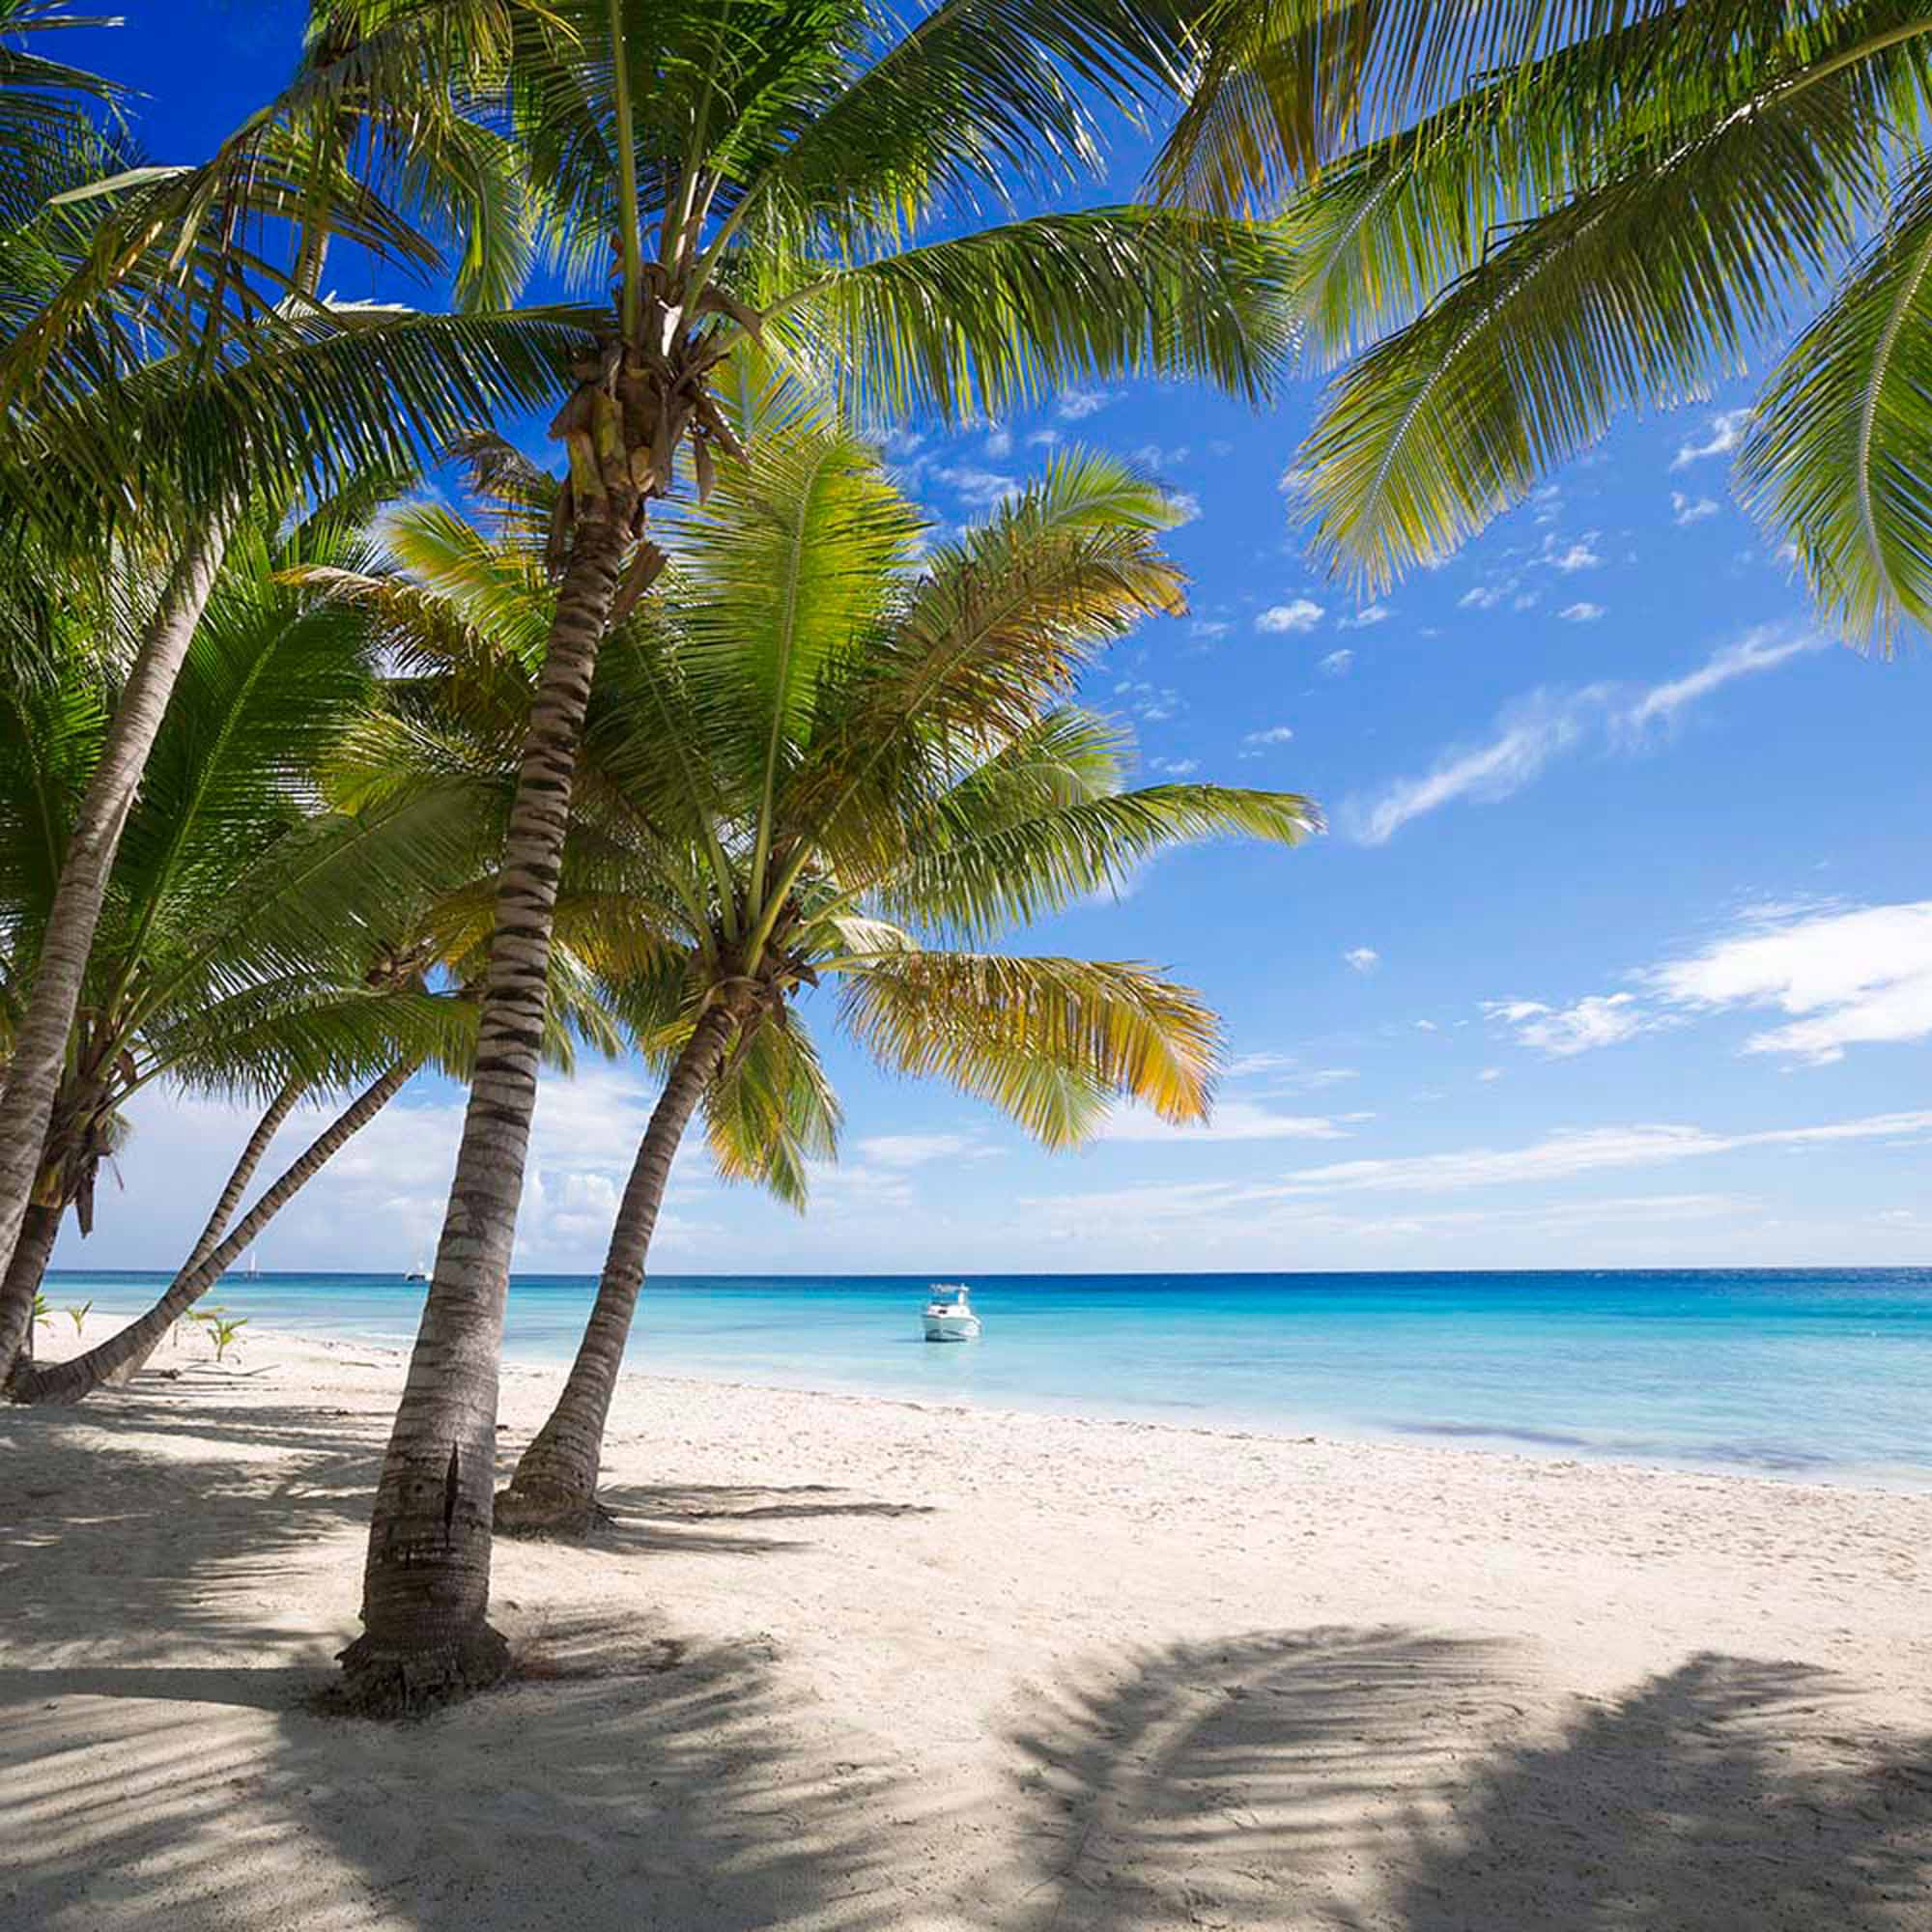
pixel 952 1327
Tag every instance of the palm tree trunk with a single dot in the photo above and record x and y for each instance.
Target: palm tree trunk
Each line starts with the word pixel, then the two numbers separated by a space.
pixel 72 1380
pixel 426 1583
pixel 555 1489
pixel 28 1268
pixel 266 1129
pixel 39 1049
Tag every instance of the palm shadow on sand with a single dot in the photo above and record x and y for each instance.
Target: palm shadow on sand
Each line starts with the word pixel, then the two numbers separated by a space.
pixel 164 1760
pixel 1282 1779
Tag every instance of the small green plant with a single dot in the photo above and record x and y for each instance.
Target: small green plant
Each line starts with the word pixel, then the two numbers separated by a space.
pixel 79 1316
pixel 42 1311
pixel 222 1331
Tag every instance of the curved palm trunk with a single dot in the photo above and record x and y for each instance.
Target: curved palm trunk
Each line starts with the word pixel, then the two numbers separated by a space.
pixel 426 1582
pixel 40 1051
pixel 243 1172
pixel 72 1380
pixel 28 1268
pixel 555 1489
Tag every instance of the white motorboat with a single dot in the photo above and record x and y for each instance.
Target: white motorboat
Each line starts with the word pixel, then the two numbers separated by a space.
pixel 949 1315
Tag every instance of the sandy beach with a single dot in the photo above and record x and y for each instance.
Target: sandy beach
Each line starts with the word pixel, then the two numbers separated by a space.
pixel 848 1663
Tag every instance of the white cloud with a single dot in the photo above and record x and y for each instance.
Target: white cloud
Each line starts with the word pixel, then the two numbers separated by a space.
pixel 1582 555
pixel 1536 729
pixel 1185 505
pixel 1762 649
pixel 903 1151
pixel 1233 1121
pixel 1688 510
pixel 1363 958
pixel 1363 619
pixel 1077 405
pixel 1844 977
pixel 1208 628
pixel 1275 734
pixel 1600 1020
pixel 999 443
pixel 1044 438
pixel 979 489
pixel 1578 1150
pixel 1725 432
pixel 1580 612
pixel 1491 1073
pixel 1336 663
pixel 1427 1026
pixel 1176 768
pixel 1483 597
pixel 1303 615
pixel 1533 733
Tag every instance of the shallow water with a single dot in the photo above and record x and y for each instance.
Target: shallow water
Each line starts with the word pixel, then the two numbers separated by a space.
pixel 1813 1373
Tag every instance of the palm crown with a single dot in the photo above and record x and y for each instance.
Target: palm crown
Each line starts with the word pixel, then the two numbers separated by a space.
pixel 822 753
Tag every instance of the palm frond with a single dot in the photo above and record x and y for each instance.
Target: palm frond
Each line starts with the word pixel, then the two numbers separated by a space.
pixel 999 319
pixel 1835 459
pixel 771 1113
pixel 1049 1041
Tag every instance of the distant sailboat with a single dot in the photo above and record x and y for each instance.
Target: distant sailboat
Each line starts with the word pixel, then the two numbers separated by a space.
pixel 421 1273
pixel 254 1269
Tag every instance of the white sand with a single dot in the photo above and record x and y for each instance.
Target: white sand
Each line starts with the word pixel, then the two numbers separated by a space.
pixel 849 1663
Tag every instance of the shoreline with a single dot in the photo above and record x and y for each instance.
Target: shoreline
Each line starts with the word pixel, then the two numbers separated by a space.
pixel 845 1663
pixel 1894 1480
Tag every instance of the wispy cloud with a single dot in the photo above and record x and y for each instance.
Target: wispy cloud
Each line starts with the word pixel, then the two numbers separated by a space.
pixel 979 489
pixel 1545 725
pixel 1688 510
pixel 1573 1151
pixel 1302 615
pixel 1601 1021
pixel 905 1150
pixel 1077 405
pixel 1336 663
pixel 1722 436
pixel 1363 958
pixel 1272 734
pixel 1531 733
pixel 1759 650
pixel 1233 1119
pixel 1580 612
pixel 1369 615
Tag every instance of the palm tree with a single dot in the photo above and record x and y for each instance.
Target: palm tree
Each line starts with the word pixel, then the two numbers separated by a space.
pixel 814 757
pixel 247 393
pixel 772 171
pixel 254 941
pixel 1630 203
pixel 840 765
pixel 247 940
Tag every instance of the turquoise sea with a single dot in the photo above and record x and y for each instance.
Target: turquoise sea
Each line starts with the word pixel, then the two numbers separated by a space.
pixel 1814 1372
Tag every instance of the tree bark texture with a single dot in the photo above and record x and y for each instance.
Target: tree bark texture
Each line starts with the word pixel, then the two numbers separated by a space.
pixel 555 1489
pixel 426 1581
pixel 39 1049
pixel 72 1380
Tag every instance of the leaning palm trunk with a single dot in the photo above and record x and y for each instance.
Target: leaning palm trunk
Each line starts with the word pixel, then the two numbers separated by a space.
pixel 40 1052
pixel 266 1129
pixel 28 1268
pixel 72 1380
pixel 426 1582
pixel 555 1489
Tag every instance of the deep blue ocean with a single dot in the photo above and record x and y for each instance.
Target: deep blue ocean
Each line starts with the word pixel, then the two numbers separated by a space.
pixel 1817 1373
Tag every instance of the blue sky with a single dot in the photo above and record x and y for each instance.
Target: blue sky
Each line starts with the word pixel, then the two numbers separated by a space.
pixel 1619 951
